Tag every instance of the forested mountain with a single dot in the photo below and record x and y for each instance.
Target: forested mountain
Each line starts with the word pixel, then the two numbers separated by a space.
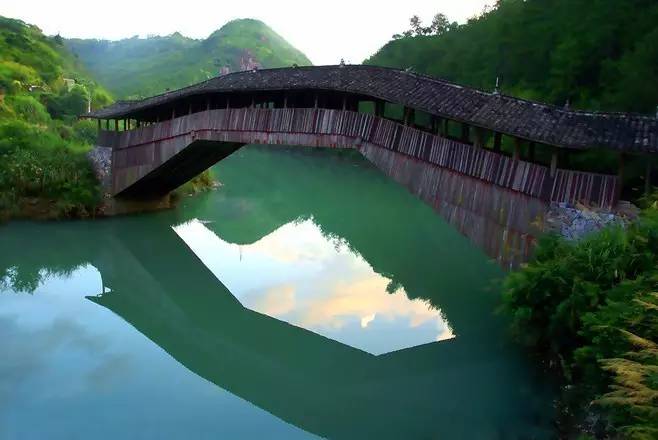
pixel 595 54
pixel 146 66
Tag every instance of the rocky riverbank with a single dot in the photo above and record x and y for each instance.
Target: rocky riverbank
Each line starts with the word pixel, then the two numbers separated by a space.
pixel 573 222
pixel 100 159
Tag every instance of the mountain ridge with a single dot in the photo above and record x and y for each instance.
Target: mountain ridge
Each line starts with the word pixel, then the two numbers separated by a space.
pixel 137 67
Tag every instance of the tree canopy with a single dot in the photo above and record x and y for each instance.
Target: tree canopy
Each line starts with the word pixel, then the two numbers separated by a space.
pixel 594 54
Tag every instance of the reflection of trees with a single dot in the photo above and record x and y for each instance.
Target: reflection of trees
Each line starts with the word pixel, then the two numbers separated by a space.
pixel 313 382
pixel 20 280
pixel 29 257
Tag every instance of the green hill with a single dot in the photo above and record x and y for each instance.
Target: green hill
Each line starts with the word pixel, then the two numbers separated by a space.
pixel 137 67
pixel 597 54
pixel 42 144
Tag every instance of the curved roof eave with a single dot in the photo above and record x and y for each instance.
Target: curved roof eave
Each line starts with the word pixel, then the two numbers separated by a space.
pixel 532 121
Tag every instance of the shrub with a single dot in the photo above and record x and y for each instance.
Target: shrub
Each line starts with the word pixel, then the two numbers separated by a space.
pixel 36 162
pixel 29 109
pixel 589 307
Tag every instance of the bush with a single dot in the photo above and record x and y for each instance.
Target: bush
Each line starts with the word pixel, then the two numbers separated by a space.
pixel 588 308
pixel 85 132
pixel 17 134
pixel 37 163
pixel 68 105
pixel 29 109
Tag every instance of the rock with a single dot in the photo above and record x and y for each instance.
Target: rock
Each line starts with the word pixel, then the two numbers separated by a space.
pixel 100 159
pixel 575 222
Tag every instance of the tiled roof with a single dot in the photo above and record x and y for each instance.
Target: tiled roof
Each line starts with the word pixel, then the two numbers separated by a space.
pixel 529 120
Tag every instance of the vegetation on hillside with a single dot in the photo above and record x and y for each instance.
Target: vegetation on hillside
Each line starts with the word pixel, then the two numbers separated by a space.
pixel 595 54
pixel 591 310
pixel 138 67
pixel 43 169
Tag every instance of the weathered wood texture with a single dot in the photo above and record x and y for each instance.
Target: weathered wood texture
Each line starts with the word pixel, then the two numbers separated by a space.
pixel 532 121
pixel 140 151
pixel 501 222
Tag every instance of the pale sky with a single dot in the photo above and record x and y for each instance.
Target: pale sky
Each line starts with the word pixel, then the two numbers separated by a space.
pixel 325 31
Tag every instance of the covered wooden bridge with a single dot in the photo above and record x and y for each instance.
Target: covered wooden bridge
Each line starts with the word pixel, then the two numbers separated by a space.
pixel 469 153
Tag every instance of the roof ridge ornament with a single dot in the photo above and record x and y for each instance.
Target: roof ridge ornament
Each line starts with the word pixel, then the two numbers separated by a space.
pixel 567 105
pixel 342 62
pixel 497 87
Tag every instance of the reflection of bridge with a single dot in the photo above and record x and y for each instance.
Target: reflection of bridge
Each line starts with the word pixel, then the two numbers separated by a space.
pixel 446 146
pixel 317 384
pixel 324 387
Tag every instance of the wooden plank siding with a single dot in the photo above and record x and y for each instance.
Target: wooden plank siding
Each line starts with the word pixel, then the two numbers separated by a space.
pixel 145 148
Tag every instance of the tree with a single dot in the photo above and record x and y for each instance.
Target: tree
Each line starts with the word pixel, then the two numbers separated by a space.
pixel 416 25
pixel 440 25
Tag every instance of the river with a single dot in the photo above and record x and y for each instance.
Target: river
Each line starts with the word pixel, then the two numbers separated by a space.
pixel 308 297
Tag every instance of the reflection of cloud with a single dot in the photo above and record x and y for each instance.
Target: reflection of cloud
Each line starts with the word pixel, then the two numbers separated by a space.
pixel 446 334
pixel 364 296
pixel 113 370
pixel 28 352
pixel 277 301
pixel 367 320
pixel 316 282
pixel 52 342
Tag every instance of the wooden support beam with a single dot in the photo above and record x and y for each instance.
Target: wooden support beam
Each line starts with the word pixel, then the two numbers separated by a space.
pixel 285 101
pixel 479 137
pixel 620 174
pixel 315 99
pixel 99 125
pixel 409 116
pixel 344 102
pixel 107 124
pixel 647 176
pixel 380 108
pixel 208 104
pixel 116 125
pixel 498 140
pixel 446 126
pixel 434 123
pixel 517 149
pixel 465 133
pixel 553 161
pixel 531 152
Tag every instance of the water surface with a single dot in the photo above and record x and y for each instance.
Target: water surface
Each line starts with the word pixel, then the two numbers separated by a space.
pixel 308 297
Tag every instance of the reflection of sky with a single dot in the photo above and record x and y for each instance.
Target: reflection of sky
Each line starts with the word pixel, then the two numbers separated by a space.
pixel 300 276
pixel 72 369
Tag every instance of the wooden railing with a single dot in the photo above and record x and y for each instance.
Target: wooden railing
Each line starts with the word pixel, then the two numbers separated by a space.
pixel 525 177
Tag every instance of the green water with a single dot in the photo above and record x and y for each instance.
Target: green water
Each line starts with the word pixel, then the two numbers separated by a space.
pixel 308 297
